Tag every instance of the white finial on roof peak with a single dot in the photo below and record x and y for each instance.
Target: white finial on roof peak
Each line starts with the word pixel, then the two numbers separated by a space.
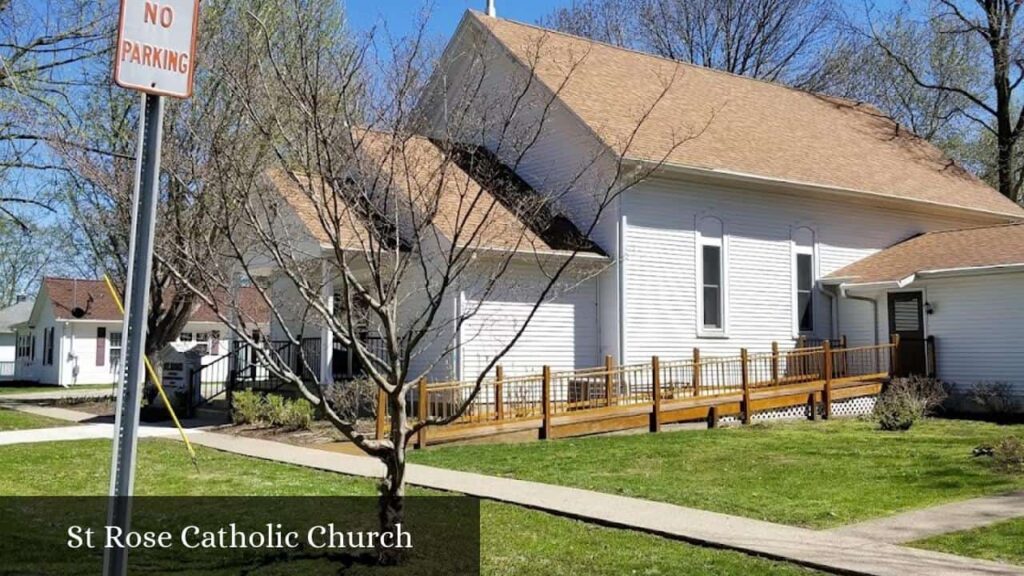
pixel 491 11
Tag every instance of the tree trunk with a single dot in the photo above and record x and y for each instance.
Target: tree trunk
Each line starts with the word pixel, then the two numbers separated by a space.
pixel 392 487
pixel 149 392
pixel 999 25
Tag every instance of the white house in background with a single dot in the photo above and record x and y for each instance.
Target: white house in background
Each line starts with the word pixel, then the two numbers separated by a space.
pixel 9 317
pixel 73 334
pixel 764 227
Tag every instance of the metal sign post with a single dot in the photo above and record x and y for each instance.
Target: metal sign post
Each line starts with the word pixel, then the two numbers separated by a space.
pixel 155 54
pixel 122 480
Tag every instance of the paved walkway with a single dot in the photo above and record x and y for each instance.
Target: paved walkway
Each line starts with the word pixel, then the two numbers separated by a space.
pixel 937 520
pixel 84 432
pixel 50 412
pixel 58 393
pixel 818 549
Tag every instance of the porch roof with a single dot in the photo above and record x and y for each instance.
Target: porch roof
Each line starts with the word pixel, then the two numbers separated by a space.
pixel 980 249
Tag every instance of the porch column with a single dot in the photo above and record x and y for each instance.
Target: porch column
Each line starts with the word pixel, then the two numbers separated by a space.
pixel 326 334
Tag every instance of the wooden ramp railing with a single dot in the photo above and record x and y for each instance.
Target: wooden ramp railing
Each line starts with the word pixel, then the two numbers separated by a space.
pixel 617 397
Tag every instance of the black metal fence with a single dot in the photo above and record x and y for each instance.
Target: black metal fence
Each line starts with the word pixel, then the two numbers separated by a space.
pixel 247 367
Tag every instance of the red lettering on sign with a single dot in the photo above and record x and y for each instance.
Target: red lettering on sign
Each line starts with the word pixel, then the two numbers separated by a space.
pixel 166 16
pixel 150 15
pixel 157 62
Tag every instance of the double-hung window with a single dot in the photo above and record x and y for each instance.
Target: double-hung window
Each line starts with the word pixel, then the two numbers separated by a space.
pixel 803 280
pixel 101 346
pixel 48 346
pixel 114 340
pixel 711 271
pixel 24 343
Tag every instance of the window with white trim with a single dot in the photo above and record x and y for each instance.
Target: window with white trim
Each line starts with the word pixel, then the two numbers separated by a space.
pixel 114 344
pixel 24 345
pixel 804 279
pixel 48 346
pixel 711 276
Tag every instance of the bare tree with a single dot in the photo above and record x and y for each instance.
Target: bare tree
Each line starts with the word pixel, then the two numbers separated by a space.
pixel 984 32
pixel 41 50
pixel 778 40
pixel 98 157
pixel 388 189
pixel 858 69
pixel 26 256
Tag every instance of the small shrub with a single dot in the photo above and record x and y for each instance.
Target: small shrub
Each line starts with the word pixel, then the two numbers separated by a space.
pixel 994 398
pixel 353 399
pixel 248 408
pixel 1008 455
pixel 291 414
pixel 297 415
pixel 905 401
pixel 272 410
pixel 275 409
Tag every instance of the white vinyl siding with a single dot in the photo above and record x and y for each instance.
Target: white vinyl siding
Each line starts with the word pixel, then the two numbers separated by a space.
pixel 977 325
pixel 563 334
pixel 661 277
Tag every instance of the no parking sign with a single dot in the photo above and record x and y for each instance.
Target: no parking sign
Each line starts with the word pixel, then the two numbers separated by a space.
pixel 156 46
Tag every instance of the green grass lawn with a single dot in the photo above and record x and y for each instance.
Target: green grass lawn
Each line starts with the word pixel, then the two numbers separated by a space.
pixel 18 389
pixel 1002 542
pixel 14 420
pixel 514 540
pixel 818 475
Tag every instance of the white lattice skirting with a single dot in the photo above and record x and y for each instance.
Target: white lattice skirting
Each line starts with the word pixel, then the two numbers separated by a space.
pixel 848 408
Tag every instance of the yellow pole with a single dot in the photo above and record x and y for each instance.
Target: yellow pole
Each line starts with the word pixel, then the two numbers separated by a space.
pixel 153 377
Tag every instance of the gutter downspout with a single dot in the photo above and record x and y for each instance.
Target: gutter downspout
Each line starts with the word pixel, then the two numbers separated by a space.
pixel 621 273
pixel 833 309
pixel 874 310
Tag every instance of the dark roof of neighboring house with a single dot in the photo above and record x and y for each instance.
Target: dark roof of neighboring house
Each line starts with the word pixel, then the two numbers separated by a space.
pixel 948 250
pixel 743 126
pixel 95 301
pixel 15 314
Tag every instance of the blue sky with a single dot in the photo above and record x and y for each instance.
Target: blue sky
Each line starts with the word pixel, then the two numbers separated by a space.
pixel 401 16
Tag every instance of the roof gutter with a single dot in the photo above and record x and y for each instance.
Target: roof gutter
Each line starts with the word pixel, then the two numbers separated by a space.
pixel 972 271
pixel 553 254
pixel 845 285
pixel 785 185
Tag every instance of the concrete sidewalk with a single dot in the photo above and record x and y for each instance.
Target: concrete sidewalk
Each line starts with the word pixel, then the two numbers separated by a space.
pixel 59 393
pixel 937 520
pixel 50 412
pixel 82 432
pixel 824 550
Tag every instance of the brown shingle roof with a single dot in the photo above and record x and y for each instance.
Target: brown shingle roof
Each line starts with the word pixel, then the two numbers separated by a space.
pixel 92 297
pixel 999 245
pixel 298 192
pixel 479 201
pixel 745 126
